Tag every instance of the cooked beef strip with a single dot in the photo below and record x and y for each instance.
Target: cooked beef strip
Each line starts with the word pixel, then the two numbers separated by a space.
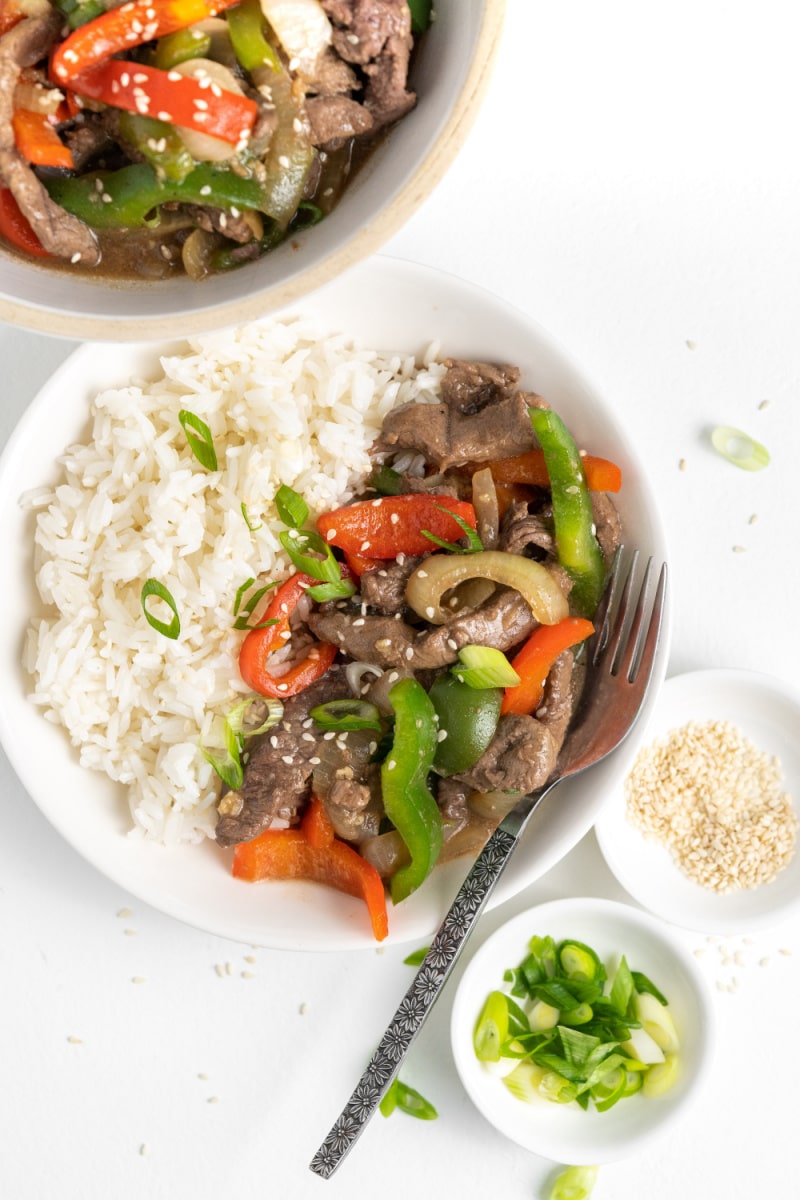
pixel 59 232
pixel 87 137
pixel 216 220
pixel 478 420
pixel 469 387
pixel 607 523
pixel 332 76
pixel 336 119
pixel 355 808
pixel 521 530
pixel 382 640
pixel 376 36
pixel 277 779
pixel 385 588
pixel 520 757
pixel 502 621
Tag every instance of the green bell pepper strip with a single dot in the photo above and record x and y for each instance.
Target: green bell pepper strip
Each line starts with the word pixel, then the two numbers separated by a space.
pixel 181 46
pixel 468 717
pixel 159 144
pixel 135 191
pixel 79 12
pixel 246 26
pixel 407 799
pixel 578 549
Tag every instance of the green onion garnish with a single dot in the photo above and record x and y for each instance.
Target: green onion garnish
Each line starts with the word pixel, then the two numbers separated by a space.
pixel 575 1183
pixel 331 591
pixel 247 520
pixel 320 563
pixel 408 1100
pixel 739 448
pixel 249 605
pixel 575 1039
pixel 386 481
pixel 416 957
pixel 346 714
pixel 292 508
pixel 236 717
pixel 228 762
pixel 484 667
pixel 198 435
pixel 170 629
pixel 240 591
pixel 474 543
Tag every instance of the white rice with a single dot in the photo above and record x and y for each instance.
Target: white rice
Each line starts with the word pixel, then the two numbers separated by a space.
pixel 285 405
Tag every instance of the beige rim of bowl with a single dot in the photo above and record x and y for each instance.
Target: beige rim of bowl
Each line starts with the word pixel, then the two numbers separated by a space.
pixel 418 187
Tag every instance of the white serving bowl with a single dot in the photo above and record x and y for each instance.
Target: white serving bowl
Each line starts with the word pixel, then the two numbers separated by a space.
pixel 193 883
pixel 564 1132
pixel 450 75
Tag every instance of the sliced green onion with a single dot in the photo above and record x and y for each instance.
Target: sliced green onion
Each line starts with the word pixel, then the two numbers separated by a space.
pixel 247 520
pixel 491 1028
pixel 307 214
pixel 474 543
pixel 578 1015
pixel 331 591
pixel 575 1183
pixel 416 957
pixel 249 606
pixel 408 1100
pixel 170 629
pixel 622 987
pixel 228 762
pixel 320 564
pixel 662 1076
pixel 643 985
pixel 579 961
pixel 346 714
pixel 292 508
pixel 555 1087
pixel 609 1089
pixel 240 591
pixel 386 481
pixel 523 1082
pixel 235 719
pixel 739 448
pixel 198 435
pixel 485 667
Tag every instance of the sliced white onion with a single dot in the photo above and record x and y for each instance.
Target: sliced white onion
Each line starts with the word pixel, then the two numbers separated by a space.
pixel 355 672
pixel 303 30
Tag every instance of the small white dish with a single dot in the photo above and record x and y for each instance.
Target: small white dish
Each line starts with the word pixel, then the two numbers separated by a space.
pixel 767 711
pixel 564 1132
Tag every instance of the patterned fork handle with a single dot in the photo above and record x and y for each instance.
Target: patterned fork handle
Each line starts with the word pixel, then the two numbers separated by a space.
pixel 422 995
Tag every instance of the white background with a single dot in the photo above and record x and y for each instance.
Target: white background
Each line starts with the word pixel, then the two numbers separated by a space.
pixel 633 183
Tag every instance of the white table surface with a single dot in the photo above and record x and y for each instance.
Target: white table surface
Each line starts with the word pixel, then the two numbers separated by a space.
pixel 633 183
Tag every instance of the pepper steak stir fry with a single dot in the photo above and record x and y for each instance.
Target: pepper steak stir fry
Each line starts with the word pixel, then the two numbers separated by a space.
pixel 420 664
pixel 158 136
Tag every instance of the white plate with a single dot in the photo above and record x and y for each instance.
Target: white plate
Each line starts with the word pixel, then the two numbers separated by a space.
pixel 564 1132
pixel 768 712
pixel 387 304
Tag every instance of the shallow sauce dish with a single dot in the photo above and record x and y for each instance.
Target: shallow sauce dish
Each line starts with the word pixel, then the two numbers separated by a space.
pixel 192 882
pixel 564 1132
pixel 450 74
pixel 767 711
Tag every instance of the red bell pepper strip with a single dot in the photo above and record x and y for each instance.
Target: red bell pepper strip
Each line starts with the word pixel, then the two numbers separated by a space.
pixel 260 644
pixel 15 227
pixel 37 141
pixel 393 525
pixel 601 475
pixel 534 660
pixel 169 96
pixel 124 27
pixel 313 852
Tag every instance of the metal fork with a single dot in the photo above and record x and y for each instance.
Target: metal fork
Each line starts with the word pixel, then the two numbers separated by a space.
pixel 621 654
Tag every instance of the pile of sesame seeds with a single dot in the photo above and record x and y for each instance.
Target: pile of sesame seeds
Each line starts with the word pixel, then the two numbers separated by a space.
pixel 717 803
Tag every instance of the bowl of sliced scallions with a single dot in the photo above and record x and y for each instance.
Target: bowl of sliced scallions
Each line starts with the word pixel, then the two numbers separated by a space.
pixel 582 1030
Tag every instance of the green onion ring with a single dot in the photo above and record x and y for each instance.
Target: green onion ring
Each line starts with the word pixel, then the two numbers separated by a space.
pixel 739 448
pixel 198 435
pixel 169 629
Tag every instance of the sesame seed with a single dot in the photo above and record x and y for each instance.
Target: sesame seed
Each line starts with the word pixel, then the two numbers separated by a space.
pixel 76 258
pixel 165 116
pixel 441 735
pixel 283 161
pixel 682 465
pixel 391 764
pixel 764 404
